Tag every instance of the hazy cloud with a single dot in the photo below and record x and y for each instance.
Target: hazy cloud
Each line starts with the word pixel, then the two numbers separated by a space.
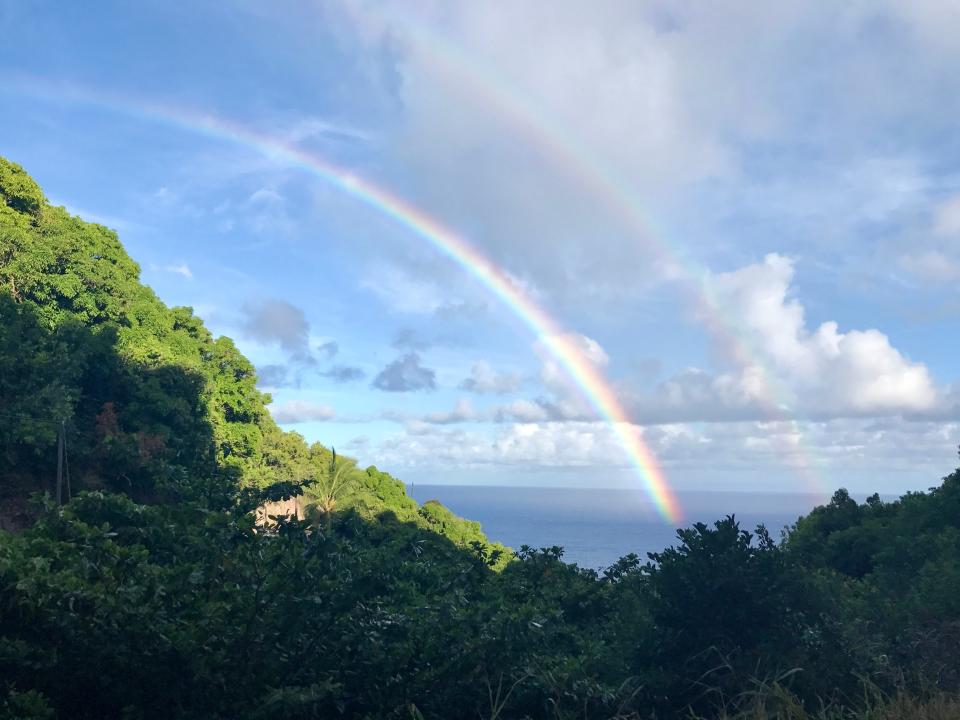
pixel 484 380
pixel 344 373
pixel 181 269
pixel 278 322
pixel 936 257
pixel 932 265
pixel 402 292
pixel 274 376
pixel 329 349
pixel 310 128
pixel 409 339
pixel 946 221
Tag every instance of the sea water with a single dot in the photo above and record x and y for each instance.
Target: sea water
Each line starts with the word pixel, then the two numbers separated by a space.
pixel 595 526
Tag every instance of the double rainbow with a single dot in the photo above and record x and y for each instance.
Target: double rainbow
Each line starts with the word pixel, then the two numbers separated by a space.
pixel 479 79
pixel 585 375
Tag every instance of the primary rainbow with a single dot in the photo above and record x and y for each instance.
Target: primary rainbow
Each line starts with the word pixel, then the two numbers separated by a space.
pixel 594 387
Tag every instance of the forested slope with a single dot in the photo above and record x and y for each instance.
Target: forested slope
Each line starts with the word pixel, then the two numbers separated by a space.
pixel 151 404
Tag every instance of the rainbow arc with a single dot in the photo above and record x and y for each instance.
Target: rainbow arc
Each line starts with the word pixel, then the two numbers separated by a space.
pixel 591 383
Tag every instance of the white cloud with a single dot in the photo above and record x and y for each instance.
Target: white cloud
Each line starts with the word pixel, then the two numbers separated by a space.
pixel 300 411
pixel 463 412
pixel 521 444
pixel 862 454
pixel 312 128
pixel 662 108
pixel 523 411
pixel 484 380
pixel 552 374
pixel 564 444
pixel 775 367
pixel 932 265
pixel 816 371
pixel 531 120
pixel 265 196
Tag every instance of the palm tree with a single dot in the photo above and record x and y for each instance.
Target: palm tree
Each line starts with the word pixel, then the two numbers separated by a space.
pixel 329 485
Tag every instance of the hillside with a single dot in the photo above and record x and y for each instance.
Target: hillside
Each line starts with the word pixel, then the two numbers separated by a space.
pixel 152 405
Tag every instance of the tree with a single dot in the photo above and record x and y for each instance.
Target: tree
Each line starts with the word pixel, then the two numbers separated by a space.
pixel 329 482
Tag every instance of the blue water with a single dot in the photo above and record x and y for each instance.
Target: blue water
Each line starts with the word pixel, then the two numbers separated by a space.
pixel 596 527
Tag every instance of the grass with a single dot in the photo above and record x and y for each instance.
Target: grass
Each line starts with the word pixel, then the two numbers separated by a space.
pixel 775 702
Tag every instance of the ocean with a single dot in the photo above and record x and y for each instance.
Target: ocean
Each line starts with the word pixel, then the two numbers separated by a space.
pixel 595 526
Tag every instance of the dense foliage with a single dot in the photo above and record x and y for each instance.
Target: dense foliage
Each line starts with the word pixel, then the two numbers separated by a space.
pixel 153 592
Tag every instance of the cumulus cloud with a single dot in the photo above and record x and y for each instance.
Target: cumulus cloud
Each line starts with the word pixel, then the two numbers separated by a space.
pixel 524 411
pixel 516 411
pixel 463 412
pixel 405 374
pixel 828 371
pixel 300 411
pixel 777 367
pixel 782 367
pixel 278 322
pixel 549 444
pixel 484 380
pixel 809 456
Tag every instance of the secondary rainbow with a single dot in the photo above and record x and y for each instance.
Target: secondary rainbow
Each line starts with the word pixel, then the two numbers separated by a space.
pixel 592 384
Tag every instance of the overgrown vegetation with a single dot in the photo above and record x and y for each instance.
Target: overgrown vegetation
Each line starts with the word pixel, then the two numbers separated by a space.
pixel 153 594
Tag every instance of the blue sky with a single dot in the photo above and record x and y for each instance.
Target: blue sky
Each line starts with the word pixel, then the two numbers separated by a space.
pixel 786 318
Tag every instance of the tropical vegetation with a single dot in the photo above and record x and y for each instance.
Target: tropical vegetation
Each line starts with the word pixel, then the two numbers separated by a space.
pixel 152 590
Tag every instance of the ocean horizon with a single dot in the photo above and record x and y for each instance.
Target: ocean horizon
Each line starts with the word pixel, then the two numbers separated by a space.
pixel 597 526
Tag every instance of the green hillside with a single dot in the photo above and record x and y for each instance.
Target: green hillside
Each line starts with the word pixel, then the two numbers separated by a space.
pixel 152 405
